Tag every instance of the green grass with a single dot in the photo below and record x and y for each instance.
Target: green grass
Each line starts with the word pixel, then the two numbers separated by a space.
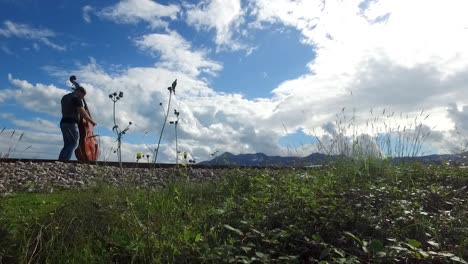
pixel 368 211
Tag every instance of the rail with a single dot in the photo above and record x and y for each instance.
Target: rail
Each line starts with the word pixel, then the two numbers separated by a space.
pixel 150 165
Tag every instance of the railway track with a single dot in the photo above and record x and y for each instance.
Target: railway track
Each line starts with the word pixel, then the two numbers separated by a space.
pixel 146 164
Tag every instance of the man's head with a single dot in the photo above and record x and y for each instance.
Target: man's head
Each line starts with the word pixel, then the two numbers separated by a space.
pixel 80 91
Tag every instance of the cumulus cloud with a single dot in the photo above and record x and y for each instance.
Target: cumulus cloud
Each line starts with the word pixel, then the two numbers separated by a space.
pixel 5 95
pixel 43 35
pixel 224 16
pixel 391 54
pixel 17 143
pixel 459 117
pixel 209 121
pixel 344 37
pixel 177 54
pixel 7 116
pixel 37 124
pixel 39 97
pixel 134 11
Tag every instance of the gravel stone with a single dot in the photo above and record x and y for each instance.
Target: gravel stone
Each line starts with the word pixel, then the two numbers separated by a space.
pixel 55 175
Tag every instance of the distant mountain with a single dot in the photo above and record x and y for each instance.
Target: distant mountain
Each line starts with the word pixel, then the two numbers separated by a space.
pixel 436 159
pixel 261 159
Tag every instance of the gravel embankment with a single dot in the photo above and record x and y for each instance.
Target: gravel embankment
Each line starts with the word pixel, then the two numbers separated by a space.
pixel 49 177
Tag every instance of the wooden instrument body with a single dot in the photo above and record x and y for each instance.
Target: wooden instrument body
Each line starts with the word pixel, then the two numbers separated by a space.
pixel 88 147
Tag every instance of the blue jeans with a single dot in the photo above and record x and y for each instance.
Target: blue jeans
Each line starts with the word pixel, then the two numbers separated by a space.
pixel 71 137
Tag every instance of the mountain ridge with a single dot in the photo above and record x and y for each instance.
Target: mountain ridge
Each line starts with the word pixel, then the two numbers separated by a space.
pixel 314 159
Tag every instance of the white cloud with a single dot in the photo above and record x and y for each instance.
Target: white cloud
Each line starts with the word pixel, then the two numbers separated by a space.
pixel 398 55
pixel 6 94
pixel 176 54
pixel 344 37
pixel 225 16
pixel 87 10
pixel 6 115
pixel 39 97
pixel 12 29
pixel 459 118
pixel 133 11
pixel 38 124
pixel 208 121
pixel 5 49
pixel 17 143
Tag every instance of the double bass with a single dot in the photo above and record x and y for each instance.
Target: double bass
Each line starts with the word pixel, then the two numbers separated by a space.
pixel 88 147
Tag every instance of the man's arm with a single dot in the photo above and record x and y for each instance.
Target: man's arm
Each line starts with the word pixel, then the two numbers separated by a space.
pixel 85 115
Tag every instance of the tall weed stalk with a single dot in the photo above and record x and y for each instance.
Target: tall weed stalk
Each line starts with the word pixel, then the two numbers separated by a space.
pixel 115 97
pixel 362 147
pixel 166 114
pixel 175 123
pixel 14 140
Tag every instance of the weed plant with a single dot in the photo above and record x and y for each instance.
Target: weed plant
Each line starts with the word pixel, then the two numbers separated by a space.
pixel 171 90
pixel 460 142
pixel 176 123
pixel 115 97
pixel 14 141
pixel 384 135
pixel 363 147
pixel 409 213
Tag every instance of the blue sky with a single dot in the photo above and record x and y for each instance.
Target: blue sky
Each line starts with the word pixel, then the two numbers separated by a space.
pixel 274 76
